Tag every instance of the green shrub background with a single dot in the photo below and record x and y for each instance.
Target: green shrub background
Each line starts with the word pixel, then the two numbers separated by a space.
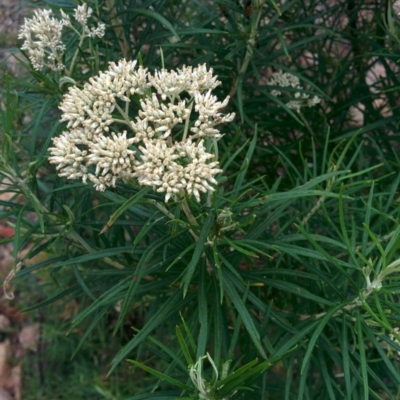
pixel 300 291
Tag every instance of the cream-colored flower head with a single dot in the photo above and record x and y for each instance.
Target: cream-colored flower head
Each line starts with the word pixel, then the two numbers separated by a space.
pixel 287 80
pixel 69 156
pixel 208 108
pixel 198 172
pixel 42 36
pixel 162 146
pixel 392 337
pixel 111 156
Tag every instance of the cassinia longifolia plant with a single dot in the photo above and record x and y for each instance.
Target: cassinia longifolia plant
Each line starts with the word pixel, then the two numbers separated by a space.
pixel 156 203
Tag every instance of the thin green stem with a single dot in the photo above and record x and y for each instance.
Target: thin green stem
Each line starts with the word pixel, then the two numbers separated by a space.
pixel 82 38
pixel 249 47
pixel 171 216
pixel 125 115
pixel 317 206
pixel 188 213
pixel 187 121
pixel 306 124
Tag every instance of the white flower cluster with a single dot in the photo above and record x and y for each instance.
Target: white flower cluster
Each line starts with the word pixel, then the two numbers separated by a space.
pixel 396 7
pixel 43 36
pixel 397 330
pixel 287 80
pixel 167 103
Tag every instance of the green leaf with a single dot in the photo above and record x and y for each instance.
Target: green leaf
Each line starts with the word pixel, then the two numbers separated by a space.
pixel 244 314
pixel 147 227
pixel 184 347
pixel 188 333
pixel 389 364
pixel 88 331
pixel 203 314
pixel 157 16
pixel 240 248
pixel 96 255
pixel 160 375
pixel 343 227
pixel 127 204
pixel 172 305
pixel 82 282
pixel 181 255
pixel 198 251
pixel 170 352
pixel 249 155
pixel 343 340
pixel 241 375
pixel 315 336
pixel 140 272
pixel 325 374
pixel 363 358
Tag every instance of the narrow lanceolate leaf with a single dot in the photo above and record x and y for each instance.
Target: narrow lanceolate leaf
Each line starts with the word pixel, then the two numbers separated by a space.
pixel 198 251
pixel 344 344
pixel 171 306
pixel 160 375
pixel 363 358
pixel 189 334
pixel 137 278
pixel 249 155
pixel 395 374
pixel 244 314
pixel 315 336
pixel 97 254
pixel 158 17
pixel 233 376
pixel 128 203
pixel 243 376
pixel 203 315
pixel 184 346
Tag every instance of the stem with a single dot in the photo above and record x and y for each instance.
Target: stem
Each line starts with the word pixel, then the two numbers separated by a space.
pixel 190 217
pixel 307 125
pixel 121 121
pixel 188 213
pixel 127 108
pixel 249 48
pixel 82 38
pixel 187 121
pixel 350 306
pixel 119 32
pixel 125 115
pixel 161 208
pixel 317 206
pixel 171 216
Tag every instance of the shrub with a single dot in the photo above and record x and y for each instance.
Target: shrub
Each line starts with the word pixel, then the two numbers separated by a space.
pixel 215 184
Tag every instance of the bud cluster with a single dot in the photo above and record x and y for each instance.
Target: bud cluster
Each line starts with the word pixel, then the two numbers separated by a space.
pixel 166 118
pixel 42 36
pixel 392 337
pixel 287 80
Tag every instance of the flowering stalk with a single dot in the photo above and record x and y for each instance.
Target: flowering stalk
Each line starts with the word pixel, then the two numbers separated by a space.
pixel 300 99
pixel 257 6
